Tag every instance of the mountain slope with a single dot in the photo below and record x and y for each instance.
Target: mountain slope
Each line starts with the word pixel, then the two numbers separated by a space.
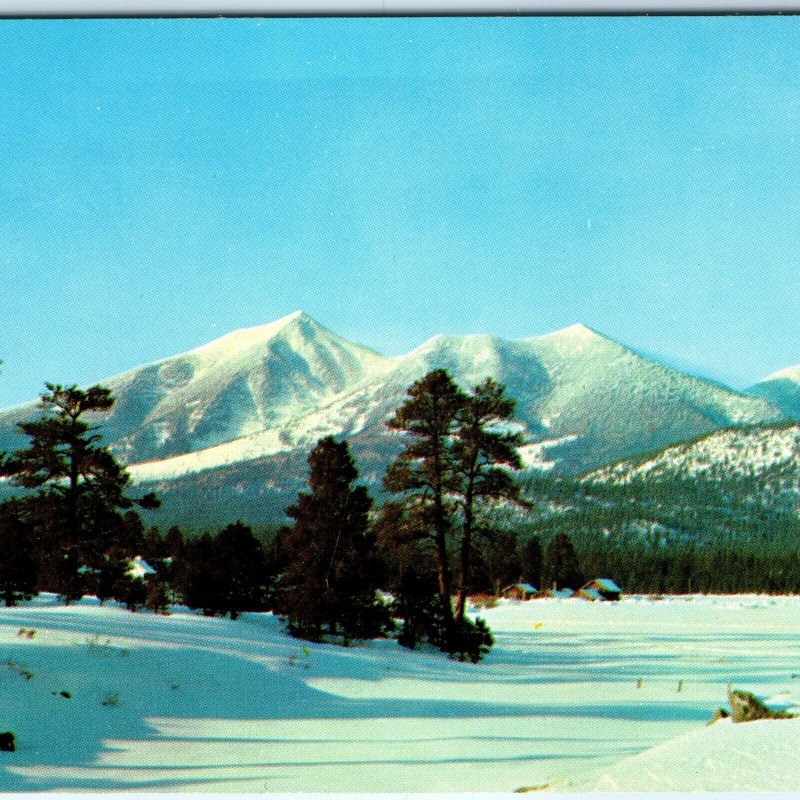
pixel 251 380
pixel 227 427
pixel 782 389
pixel 754 454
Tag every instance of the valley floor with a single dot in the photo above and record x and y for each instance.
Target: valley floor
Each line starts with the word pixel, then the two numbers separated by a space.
pixel 572 697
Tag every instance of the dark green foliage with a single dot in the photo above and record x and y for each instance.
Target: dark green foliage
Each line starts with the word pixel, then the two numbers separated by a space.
pixel 131 591
pixel 419 606
pixel 119 539
pixel 484 451
pixel 420 609
pixel 224 574
pixel 561 568
pixel 469 641
pixel 158 596
pixel 201 575
pixel 17 563
pixel 239 561
pixel 426 471
pixel 329 586
pixel 501 559
pixel 531 561
pixel 168 556
pixel 78 502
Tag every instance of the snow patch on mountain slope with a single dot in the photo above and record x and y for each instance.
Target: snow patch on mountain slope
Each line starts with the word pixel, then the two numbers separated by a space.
pixel 535 456
pixel 736 452
pixel 791 373
pixel 782 389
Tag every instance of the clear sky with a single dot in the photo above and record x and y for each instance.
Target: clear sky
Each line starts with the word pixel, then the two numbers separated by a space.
pixel 163 182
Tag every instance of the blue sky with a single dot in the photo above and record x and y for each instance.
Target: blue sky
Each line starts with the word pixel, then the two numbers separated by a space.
pixel 163 182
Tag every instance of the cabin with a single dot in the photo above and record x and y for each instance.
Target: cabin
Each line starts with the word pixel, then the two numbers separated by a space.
pixel 519 591
pixel 139 568
pixel 600 589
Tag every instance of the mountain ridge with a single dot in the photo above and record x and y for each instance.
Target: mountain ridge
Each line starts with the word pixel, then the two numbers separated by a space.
pixel 241 412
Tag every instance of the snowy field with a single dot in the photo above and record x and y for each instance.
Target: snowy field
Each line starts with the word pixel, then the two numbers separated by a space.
pixel 574 696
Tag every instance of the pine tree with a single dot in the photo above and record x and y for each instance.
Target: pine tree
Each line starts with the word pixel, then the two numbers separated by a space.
pixel 239 563
pixel 531 556
pixel 17 564
pixel 80 488
pixel 561 568
pixel 329 584
pixel 484 450
pixel 426 470
pixel 411 574
pixel 502 558
pixel 201 575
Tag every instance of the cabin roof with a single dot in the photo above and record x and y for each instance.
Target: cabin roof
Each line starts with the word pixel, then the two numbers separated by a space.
pixel 138 568
pixel 605 585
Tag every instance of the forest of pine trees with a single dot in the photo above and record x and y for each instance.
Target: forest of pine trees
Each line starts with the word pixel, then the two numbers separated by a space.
pixel 457 522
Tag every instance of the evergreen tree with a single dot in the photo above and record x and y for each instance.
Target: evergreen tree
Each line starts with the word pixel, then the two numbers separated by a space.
pixel 172 567
pixel 502 561
pixel 484 451
pixel 239 563
pixel 407 552
pixel 330 582
pixel 81 486
pixel 158 597
pixel 531 557
pixel 426 471
pixel 561 568
pixel 201 576
pixel 17 564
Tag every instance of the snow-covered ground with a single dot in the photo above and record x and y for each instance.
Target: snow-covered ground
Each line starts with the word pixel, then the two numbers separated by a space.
pixel 574 696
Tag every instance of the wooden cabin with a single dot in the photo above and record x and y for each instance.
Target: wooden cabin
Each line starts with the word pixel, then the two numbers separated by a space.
pixel 519 591
pixel 600 589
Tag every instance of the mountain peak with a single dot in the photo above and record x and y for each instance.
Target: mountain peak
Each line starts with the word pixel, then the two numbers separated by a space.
pixel 789 373
pixel 572 339
pixel 246 338
pixel 576 331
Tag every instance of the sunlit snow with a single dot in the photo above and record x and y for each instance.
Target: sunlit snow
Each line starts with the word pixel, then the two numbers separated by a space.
pixel 570 690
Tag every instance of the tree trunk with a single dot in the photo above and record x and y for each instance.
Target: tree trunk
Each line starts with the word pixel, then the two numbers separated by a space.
pixel 443 566
pixel 440 527
pixel 466 547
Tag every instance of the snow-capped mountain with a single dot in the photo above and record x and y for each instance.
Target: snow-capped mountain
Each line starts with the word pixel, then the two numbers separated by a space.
pixel 229 425
pixel 782 389
pixel 249 381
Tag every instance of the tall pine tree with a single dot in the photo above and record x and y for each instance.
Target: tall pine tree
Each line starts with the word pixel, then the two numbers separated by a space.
pixel 425 472
pixel 329 586
pixel 484 449
pixel 80 488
